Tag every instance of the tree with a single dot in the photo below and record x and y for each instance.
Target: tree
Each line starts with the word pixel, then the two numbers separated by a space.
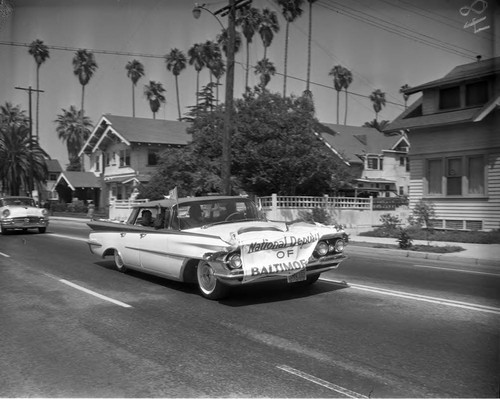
pixel 135 71
pixel 176 63
pixel 73 128
pixel 291 11
pixel 153 93
pixel 12 115
pixel 84 67
pixel 248 18
pixel 380 126
pixel 378 100
pixel 268 27
pixel 41 53
pixel 21 159
pixel 309 36
pixel 197 59
pixel 402 90
pixel 265 69
pixel 223 40
pixel 346 81
pixel 337 72
pixel 211 55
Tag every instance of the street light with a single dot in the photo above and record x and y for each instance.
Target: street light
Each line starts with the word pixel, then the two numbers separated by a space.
pixel 230 11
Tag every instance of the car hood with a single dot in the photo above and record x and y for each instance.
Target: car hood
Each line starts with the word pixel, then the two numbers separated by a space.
pixel 19 210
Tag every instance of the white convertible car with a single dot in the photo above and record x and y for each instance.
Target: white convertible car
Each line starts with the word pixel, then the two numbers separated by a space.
pixel 217 242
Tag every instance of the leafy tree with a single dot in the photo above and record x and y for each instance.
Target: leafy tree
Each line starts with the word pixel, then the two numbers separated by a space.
pixel 176 63
pixel 309 37
pixel 21 159
pixel 248 18
pixel 40 52
pixel 84 67
pixel 135 71
pixel 268 27
pixel 74 129
pixel 154 94
pixel 378 100
pixel 265 69
pixel 291 10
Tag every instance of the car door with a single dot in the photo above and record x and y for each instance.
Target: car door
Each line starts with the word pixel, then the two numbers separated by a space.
pixel 157 255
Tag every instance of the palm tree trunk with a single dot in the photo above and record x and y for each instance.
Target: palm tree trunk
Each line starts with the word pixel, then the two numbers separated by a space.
pixel 338 105
pixel 309 48
pixel 37 100
pixel 247 66
pixel 345 114
pixel 133 100
pixel 286 59
pixel 178 100
pixel 83 96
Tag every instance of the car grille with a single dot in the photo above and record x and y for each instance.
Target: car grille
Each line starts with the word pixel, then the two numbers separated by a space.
pixel 28 219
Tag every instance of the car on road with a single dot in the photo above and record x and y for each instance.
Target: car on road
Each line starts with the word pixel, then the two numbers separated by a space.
pixel 22 213
pixel 217 242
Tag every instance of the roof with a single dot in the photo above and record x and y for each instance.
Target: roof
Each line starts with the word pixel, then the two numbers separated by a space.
pixel 53 166
pixel 79 180
pixel 349 142
pixel 462 72
pixel 136 130
pixel 171 202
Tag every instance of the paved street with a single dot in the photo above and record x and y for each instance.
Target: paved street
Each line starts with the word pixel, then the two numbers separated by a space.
pixel 379 326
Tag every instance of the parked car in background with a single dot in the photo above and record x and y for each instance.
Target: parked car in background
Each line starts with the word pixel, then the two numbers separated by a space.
pixel 217 242
pixel 22 213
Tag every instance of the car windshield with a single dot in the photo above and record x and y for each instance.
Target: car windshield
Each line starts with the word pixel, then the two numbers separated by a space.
pixel 201 213
pixel 18 201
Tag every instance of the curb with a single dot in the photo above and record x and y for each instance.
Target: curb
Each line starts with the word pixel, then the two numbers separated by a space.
pixel 359 248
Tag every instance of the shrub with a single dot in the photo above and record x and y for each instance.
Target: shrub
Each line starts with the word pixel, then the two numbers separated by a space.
pixel 389 221
pixel 404 239
pixel 424 213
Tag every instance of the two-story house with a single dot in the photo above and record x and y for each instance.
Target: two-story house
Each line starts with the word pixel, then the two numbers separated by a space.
pixel 454 129
pixel 124 151
pixel 379 162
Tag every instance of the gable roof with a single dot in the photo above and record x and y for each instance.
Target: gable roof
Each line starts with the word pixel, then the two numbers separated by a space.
pixel 351 142
pixel 79 180
pixel 136 130
pixel 53 166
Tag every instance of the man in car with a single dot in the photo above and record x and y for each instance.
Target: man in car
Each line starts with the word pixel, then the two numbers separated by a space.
pixel 146 218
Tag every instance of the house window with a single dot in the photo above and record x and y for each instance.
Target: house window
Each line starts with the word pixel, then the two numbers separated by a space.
pixel 106 158
pixel 456 176
pixel 449 98
pixel 125 157
pixel 53 176
pixel 407 164
pixel 153 157
pixel 401 161
pixel 374 163
pixel 476 93
pixel 97 163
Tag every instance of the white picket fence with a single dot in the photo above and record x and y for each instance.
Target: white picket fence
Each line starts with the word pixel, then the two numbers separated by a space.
pixel 120 209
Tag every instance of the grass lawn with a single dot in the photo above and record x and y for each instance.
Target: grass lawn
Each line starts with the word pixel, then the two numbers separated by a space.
pixel 418 248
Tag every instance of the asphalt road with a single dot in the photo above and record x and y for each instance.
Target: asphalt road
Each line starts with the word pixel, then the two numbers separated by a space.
pixel 72 326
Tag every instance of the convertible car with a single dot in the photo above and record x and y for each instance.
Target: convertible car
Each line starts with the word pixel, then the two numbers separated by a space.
pixel 22 213
pixel 217 242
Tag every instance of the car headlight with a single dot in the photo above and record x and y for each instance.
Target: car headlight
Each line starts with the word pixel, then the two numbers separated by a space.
pixel 321 248
pixel 339 245
pixel 234 261
pixel 44 212
pixel 5 213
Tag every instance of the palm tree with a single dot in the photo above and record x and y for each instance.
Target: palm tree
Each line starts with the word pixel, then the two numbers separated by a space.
pixel 211 53
pixel 135 71
pixel 218 70
pixel 176 62
pixel 12 115
pixel 309 36
pixel 346 81
pixel 84 66
pixel 22 160
pixel 196 58
pixel 268 27
pixel 73 128
pixel 291 11
pixel 336 72
pixel 153 93
pixel 248 18
pixel 265 69
pixel 378 99
pixel 405 96
pixel 376 124
pixel 40 52
pixel 223 40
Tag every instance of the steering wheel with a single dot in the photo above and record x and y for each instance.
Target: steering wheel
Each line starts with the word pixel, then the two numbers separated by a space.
pixel 232 216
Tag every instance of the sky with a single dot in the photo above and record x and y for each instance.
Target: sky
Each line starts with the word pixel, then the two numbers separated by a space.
pixel 384 43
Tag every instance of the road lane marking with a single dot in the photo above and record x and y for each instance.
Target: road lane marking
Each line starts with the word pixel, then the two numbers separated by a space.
pixel 458 270
pixel 94 293
pixel 323 383
pixel 422 298
pixel 7 256
pixel 69 237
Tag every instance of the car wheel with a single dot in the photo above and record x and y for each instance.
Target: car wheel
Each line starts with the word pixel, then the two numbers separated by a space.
pixel 120 266
pixel 42 230
pixel 210 286
pixel 3 230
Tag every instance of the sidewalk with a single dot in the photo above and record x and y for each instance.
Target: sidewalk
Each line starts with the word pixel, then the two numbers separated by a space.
pixel 476 254
pixel 473 254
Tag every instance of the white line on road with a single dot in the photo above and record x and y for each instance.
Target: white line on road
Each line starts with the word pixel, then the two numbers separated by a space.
pixel 95 294
pixel 323 383
pixel 458 270
pixel 69 237
pixel 7 256
pixel 423 298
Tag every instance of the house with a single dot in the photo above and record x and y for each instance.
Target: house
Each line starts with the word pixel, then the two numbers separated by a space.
pixel 454 129
pixel 72 185
pixel 48 189
pixel 379 162
pixel 124 152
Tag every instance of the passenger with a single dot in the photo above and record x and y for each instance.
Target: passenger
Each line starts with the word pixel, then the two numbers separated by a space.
pixel 146 218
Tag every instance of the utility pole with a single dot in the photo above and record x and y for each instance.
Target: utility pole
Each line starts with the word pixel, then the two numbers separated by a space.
pixel 30 178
